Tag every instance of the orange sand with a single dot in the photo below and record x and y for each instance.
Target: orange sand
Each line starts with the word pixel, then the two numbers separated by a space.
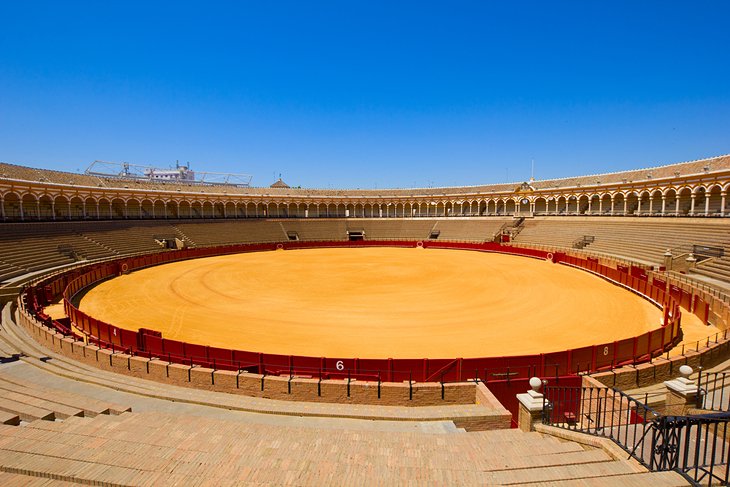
pixel 375 303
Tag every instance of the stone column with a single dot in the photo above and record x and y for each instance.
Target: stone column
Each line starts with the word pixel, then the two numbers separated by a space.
pixel 668 259
pixel 693 198
pixel 722 203
pixel 531 405
pixel 681 393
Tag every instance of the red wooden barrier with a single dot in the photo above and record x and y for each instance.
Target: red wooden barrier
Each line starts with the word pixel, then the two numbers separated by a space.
pixel 589 358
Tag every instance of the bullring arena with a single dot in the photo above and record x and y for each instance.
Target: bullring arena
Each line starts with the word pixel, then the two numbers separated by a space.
pixel 159 333
pixel 373 302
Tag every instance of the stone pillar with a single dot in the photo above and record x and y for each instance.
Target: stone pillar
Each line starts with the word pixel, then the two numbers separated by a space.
pixel 531 405
pixel 668 259
pixel 722 203
pixel 681 393
pixel 707 204
pixel 691 261
pixel 693 198
pixel 664 204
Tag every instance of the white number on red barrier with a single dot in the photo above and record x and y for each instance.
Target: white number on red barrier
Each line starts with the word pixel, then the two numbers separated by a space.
pixel 340 365
pixel 605 350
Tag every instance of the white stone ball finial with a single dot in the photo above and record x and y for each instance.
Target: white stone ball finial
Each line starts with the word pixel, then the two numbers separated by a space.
pixel 685 371
pixel 536 384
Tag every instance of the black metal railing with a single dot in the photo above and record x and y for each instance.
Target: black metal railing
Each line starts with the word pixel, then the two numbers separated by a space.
pixel 713 391
pixel 695 446
pixel 605 412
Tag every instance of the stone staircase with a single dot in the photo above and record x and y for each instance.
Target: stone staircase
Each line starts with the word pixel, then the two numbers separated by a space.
pixel 154 448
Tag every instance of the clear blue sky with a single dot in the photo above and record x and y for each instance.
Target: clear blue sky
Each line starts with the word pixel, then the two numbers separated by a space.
pixel 364 93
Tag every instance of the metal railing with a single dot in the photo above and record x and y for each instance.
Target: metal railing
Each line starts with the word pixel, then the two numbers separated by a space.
pixel 713 391
pixel 694 446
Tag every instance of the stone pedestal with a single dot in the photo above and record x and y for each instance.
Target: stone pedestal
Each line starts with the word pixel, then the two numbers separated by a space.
pixel 668 259
pixel 531 405
pixel 681 393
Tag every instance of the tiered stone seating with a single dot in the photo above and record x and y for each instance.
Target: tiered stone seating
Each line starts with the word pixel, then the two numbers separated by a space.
pixel 478 230
pixel 642 240
pixel 717 268
pixel 62 403
pixel 29 247
pixel 164 449
pixel 126 237
pixel 322 229
pixel 212 232
pixel 394 229
pixel 26 248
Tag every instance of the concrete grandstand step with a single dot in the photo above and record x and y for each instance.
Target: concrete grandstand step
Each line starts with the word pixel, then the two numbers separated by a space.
pixel 90 407
pixel 230 453
pixel 653 479
pixel 60 411
pixel 561 472
pixel 26 412
pixel 20 480
pixel 59 468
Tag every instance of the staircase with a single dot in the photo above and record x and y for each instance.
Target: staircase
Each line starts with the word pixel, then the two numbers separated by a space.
pixel 583 242
pixel 168 449
pixel 181 235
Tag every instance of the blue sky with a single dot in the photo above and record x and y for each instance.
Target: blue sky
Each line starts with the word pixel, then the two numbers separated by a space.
pixel 366 94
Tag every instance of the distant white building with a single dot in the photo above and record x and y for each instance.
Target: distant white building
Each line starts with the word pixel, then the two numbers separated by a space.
pixel 180 173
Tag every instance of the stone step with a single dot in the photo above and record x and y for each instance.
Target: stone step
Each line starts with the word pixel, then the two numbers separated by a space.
pixel 26 412
pixel 19 480
pixel 653 479
pixel 74 471
pixel 60 411
pixel 90 407
pixel 255 439
pixel 561 472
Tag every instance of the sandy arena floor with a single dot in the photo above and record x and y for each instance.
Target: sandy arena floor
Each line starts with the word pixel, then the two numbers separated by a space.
pixel 375 303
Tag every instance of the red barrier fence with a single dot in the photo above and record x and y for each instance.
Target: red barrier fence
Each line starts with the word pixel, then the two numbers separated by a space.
pixel 149 343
